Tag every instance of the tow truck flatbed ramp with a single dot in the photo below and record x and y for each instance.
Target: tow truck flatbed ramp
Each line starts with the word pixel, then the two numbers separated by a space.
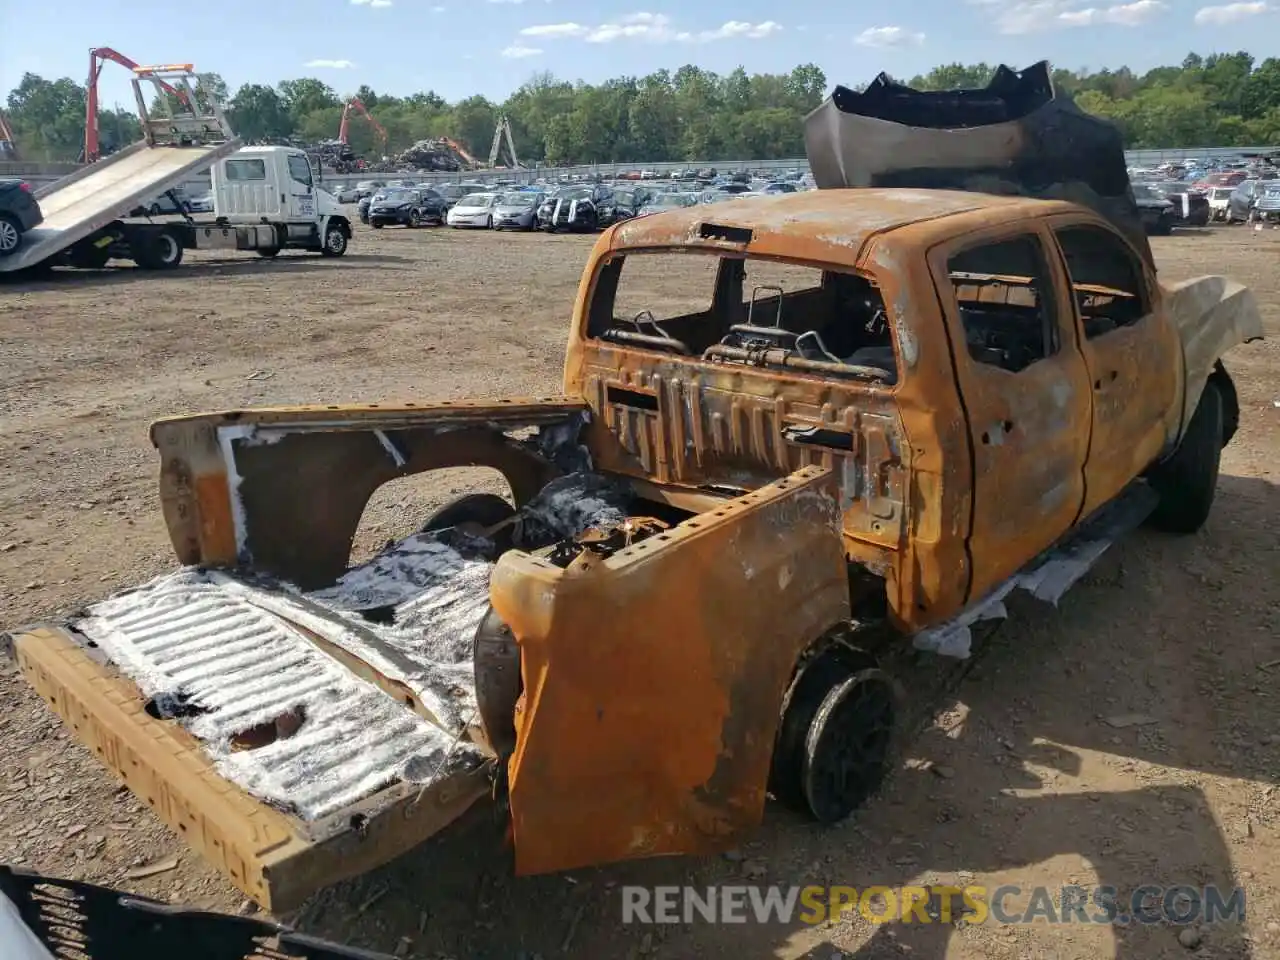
pixel 92 197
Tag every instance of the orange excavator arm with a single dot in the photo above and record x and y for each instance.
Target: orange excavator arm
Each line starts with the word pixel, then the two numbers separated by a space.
pixel 355 103
pixel 97 57
pixel 461 151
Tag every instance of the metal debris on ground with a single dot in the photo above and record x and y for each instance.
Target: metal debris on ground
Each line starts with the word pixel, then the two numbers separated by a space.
pixel 153 868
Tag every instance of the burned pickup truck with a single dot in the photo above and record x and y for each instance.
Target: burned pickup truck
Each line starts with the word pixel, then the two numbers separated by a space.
pixel 790 426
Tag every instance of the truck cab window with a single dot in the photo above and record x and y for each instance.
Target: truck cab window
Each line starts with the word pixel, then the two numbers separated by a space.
pixel 1005 300
pixel 1106 281
pixel 300 169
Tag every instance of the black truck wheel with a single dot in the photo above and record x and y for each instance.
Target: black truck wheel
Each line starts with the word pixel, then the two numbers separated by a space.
pixel 1188 480
pixel 158 251
pixel 833 744
pixel 335 240
pixel 269 253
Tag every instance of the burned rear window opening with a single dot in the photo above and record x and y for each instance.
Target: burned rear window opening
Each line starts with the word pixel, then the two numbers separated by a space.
pixel 745 311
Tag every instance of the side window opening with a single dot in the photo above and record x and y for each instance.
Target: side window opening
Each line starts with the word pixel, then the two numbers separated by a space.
pixel 1005 300
pixel 1106 281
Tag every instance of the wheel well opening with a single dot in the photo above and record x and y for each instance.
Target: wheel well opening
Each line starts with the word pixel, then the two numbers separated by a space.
pixel 400 507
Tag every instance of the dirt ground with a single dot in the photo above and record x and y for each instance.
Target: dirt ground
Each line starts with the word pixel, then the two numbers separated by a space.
pixel 1019 778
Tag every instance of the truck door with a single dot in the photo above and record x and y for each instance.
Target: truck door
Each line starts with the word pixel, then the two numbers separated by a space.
pixel 243 189
pixel 1024 390
pixel 299 188
pixel 1131 351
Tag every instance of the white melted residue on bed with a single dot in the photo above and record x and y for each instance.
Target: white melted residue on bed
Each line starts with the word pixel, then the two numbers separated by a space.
pixel 226 647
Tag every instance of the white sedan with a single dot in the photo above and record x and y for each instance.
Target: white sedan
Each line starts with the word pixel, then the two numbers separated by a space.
pixel 474 210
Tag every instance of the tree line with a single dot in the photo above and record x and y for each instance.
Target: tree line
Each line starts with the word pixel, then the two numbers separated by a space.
pixel 686 114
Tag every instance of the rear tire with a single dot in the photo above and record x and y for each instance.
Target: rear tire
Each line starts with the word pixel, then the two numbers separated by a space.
pixel 1187 481
pixel 162 251
pixel 847 749
pixel 817 719
pixel 269 253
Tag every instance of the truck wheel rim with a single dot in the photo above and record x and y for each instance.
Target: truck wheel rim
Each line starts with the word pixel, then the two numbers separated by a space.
pixel 8 236
pixel 848 745
pixel 168 248
pixel 336 240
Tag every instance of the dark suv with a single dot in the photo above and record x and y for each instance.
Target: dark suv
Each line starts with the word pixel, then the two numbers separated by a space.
pixel 19 213
pixel 413 207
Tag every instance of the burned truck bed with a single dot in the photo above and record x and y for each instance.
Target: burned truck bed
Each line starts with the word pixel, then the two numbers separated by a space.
pixel 298 736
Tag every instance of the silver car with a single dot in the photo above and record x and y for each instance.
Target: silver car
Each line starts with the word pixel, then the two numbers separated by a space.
pixel 517 210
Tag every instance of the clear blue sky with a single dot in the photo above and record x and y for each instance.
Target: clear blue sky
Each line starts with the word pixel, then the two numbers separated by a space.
pixel 492 46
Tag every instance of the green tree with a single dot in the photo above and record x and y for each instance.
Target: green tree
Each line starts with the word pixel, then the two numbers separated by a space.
pixel 258 113
pixel 690 114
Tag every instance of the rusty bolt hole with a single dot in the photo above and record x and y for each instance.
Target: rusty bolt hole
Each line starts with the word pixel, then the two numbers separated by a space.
pixel 281 728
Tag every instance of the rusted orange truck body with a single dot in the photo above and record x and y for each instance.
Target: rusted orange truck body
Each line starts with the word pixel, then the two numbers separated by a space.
pixel 816 413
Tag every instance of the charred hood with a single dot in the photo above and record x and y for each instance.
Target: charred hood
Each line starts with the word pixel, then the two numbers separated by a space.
pixel 1013 136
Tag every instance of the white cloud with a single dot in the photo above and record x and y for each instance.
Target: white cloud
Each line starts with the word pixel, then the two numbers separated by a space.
pixel 330 64
pixel 555 30
pixel 437 9
pixel 889 37
pixel 1036 16
pixel 653 27
pixel 735 29
pixel 518 51
pixel 1229 13
pixel 636 26
pixel 376 4
pixel 1120 15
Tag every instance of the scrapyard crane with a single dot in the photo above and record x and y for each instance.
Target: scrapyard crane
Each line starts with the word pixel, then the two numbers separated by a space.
pixel 357 104
pixel 503 127
pixel 97 57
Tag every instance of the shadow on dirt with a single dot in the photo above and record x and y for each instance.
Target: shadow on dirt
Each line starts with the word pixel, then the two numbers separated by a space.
pixel 1072 753
pixel 26 281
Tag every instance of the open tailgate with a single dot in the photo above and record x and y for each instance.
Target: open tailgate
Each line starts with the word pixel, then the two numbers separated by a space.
pixel 276 858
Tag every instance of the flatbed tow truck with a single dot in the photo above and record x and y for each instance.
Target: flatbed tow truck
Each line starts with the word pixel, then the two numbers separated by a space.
pixel 265 197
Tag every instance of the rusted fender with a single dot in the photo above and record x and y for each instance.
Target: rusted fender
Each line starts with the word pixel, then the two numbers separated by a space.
pixel 1212 315
pixel 284 488
pixel 654 678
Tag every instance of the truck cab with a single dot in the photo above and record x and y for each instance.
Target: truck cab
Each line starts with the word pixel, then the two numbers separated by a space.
pixel 276 185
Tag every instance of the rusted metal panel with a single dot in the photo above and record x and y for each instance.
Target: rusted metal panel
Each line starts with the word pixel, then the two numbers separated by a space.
pixel 673 757
pixel 242 486
pixel 1211 315
pixel 709 426
pixel 818 226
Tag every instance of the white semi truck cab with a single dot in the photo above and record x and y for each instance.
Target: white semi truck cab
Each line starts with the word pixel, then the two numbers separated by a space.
pixel 266 199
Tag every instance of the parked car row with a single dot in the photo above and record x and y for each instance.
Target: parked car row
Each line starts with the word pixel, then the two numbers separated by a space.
pixel 574 207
